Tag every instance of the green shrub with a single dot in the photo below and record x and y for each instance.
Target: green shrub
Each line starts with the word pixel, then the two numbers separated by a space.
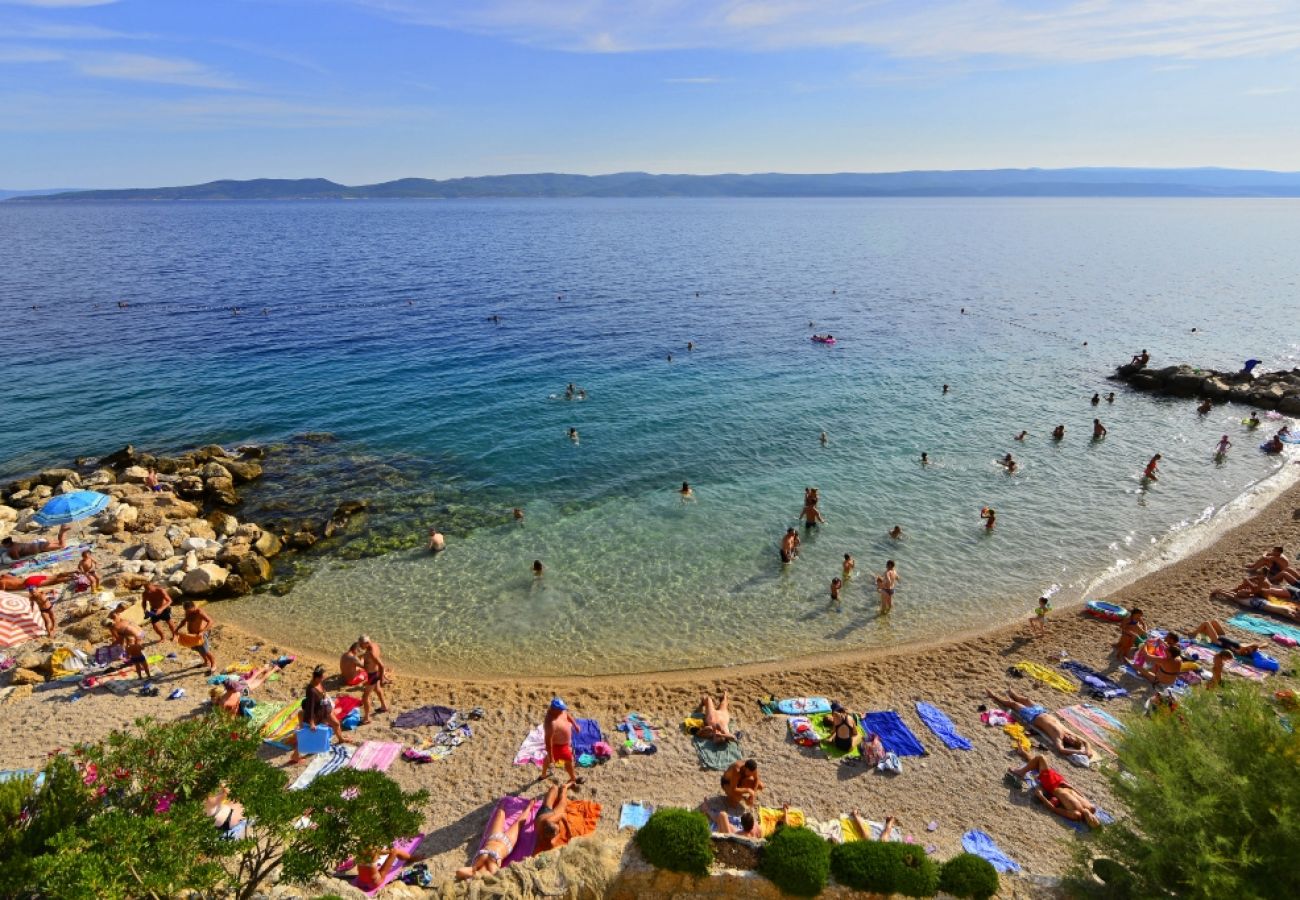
pixel 1210 792
pixel 798 861
pixel 677 839
pixel 885 868
pixel 968 875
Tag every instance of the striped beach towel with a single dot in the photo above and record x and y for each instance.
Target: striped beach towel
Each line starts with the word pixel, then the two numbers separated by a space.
pixel 1088 730
pixel 375 756
pixel 323 764
pixel 280 725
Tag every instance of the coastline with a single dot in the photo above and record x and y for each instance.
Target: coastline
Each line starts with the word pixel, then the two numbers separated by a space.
pixel 957 790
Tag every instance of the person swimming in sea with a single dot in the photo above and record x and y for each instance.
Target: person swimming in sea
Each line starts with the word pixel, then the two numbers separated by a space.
pixel 1058 432
pixel 990 517
pixel 1008 462
pixel 1205 407
pixel 538 568
pixel 925 458
pixel 686 492
pixel 1022 435
pixel 1110 398
pixel 690 345
pixel 569 391
pixel 1152 471
pixel 896 532
pixel 1223 446
pixel 945 388
pixel 1253 421
pixel 1096 399
pixel 1098 430
pixel 573 435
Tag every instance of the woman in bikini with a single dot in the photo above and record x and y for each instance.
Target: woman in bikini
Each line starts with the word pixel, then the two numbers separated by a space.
pixel 497 846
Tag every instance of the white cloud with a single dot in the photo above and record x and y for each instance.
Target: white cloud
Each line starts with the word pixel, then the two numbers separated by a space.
pixel 155 69
pixel 1048 31
pixel 1268 91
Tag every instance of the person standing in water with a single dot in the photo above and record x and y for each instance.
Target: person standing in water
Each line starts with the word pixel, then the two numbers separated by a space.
pixel 824 439
pixel 1008 462
pixel 789 546
pixel 990 517
pixel 1151 472
pixel 686 492
pixel 573 435
pixel 945 388
pixel 1098 430
pixel 1110 398
pixel 1096 399
pixel 1058 432
pixel 886 583
pixel 836 584
pixel 810 514
pixel 1223 446
pixel 896 533
pixel 848 567
pixel 925 458
pixel 538 568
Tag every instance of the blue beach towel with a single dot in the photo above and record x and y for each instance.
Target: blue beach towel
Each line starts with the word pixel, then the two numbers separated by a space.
pixel 894 733
pixel 585 737
pixel 634 815
pixel 1096 682
pixel 935 719
pixel 1260 625
pixel 985 847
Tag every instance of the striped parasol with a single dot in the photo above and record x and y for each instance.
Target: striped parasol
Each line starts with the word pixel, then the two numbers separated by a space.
pixel 19 622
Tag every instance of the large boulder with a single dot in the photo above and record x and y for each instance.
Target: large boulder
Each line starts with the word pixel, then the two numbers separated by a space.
pixel 220 484
pixel 135 474
pixel 8 514
pixel 250 530
pixel 176 534
pixel 223 523
pixel 189 486
pixel 301 540
pixel 254 570
pixel 1290 405
pixel 99 478
pixel 248 451
pixel 157 547
pixel 120 459
pixel 173 507
pixel 235 549
pixel 54 477
pixel 228 499
pixel 1216 388
pixel 211 451
pixel 243 472
pixel 235 586
pixel 267 544
pixel 204 580
pixel 214 470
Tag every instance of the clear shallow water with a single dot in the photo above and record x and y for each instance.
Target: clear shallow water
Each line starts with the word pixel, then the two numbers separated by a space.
pixel 376 330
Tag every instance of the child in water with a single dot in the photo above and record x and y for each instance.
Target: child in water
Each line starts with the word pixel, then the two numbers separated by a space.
pixel 836 584
pixel 990 517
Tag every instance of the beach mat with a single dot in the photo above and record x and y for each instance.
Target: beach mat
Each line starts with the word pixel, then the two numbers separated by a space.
pixel 1075 717
pixel 716 756
pixel 637 728
pixel 770 817
pixel 375 756
pixel 585 737
pixel 1046 676
pixel 937 721
pixel 850 832
pixel 424 715
pixel 985 847
pixel 581 818
pixel 894 734
pixel 1203 653
pixel 634 815
pixel 1094 681
pixel 282 723
pixel 533 750
pixel 514 807
pixel 822 728
pixel 337 757
pixel 29 564
pixel 1260 625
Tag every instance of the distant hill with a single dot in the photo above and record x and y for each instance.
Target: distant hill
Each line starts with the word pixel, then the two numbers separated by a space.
pixel 1084 182
pixel 5 195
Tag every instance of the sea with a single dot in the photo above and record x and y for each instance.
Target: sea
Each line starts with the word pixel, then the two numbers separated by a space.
pixel 424 348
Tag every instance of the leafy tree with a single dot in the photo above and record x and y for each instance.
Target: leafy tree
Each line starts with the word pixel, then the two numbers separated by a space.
pixel 1213 797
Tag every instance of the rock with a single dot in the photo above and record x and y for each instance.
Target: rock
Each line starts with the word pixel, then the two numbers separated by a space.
pixel 267 544
pixel 214 470
pixel 176 534
pixel 176 579
pixel 235 586
pixel 20 692
pixel 21 484
pixel 42 492
pixel 54 477
pixel 219 485
pixel 131 567
pixel 234 549
pixel 205 579
pixel 243 472
pixel 173 507
pixel 191 561
pixel 250 530
pixel 227 499
pixel 254 570
pixel 349 508
pixel 211 451
pixel 157 547
pixel 1290 405
pixel 301 540
pixel 201 528
pixel 1184 384
pixel 248 451
pixel 189 486
pixel 171 465
pixel 198 544
pixel 100 478
pixel 135 474
pixel 8 514
pixel 30 660
pixel 172 564
pixel 121 459
pixel 22 676
pixel 223 523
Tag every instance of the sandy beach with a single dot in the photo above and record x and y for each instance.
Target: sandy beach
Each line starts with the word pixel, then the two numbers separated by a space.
pixel 957 790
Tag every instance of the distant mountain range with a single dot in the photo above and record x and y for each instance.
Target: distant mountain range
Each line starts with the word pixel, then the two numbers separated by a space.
pixel 1083 182
pixel 5 195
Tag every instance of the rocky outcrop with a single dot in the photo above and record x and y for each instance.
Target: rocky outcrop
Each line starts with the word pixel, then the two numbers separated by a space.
pixel 1267 390
pixel 204 580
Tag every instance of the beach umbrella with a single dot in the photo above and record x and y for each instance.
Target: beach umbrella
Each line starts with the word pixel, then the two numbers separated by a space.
pixel 71 507
pixel 19 621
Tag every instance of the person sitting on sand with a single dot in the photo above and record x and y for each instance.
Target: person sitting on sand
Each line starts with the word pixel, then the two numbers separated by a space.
pixel 374 865
pixel 1031 715
pixel 351 672
pixel 437 543
pixel 717 720
pixel 1131 631
pixel 89 569
pixel 157 605
pixel 741 783
pixel 26 582
pixel 15 550
pixel 1274 563
pixel 1056 793
pixel 846 736
pixel 551 822
pixel 789 546
pixel 557 732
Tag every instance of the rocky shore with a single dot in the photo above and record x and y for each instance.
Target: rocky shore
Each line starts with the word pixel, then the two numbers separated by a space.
pixel 1268 390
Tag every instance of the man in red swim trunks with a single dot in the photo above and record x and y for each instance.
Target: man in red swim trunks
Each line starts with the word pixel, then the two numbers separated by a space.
pixel 22 583
pixel 557 732
pixel 1057 793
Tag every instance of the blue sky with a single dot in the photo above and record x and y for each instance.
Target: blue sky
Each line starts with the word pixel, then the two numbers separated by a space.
pixel 117 93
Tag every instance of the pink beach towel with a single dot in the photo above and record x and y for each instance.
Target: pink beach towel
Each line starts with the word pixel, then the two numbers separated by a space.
pixel 375 755
pixel 515 807
pixel 532 750
pixel 406 845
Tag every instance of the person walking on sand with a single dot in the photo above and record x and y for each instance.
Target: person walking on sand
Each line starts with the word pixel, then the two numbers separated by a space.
pixel 43 603
pixel 1038 622
pixel 886 582
pixel 197 625
pixel 157 605
pixel 373 664
pixel 1098 430
pixel 1151 472
pixel 557 734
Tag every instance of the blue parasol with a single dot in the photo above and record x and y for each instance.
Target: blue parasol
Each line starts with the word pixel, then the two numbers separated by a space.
pixel 71 507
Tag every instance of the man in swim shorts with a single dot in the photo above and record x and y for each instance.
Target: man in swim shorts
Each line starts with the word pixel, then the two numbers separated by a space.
pixel 437 543
pixel 1032 715
pixel 373 664
pixel 15 550
pixel 22 583
pixel 886 583
pixel 1273 564
pixel 557 734
pixel 1057 793
pixel 157 605
pixel 351 672
pixel 741 783
pixel 789 546
pixel 198 623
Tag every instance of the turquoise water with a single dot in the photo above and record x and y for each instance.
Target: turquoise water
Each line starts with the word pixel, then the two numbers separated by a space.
pixel 375 330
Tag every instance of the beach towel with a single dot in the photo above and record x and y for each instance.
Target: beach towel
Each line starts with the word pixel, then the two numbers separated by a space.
pixel 424 715
pixel 1260 625
pixel 344 706
pixel 634 815
pixel 1019 738
pixel 1204 653
pixel 831 830
pixel 1046 676
pixel 850 832
pixel 406 845
pixel 30 564
pixel 515 808
pixel 803 706
pixel 1075 717
pixel 985 847
pixel 585 737
pixel 375 756
pixel 260 714
pixel 935 719
pixel 532 750
pixel 894 733
pixel 1096 682
pixel 280 725
pixel 768 819
pixel 716 756
pixel 336 758
pixel 821 734
pixel 108 654
pixel 580 818
pixel 637 728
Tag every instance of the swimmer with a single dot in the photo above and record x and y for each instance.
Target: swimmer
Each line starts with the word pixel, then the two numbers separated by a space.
pixel 670 357
pixel 925 458
pixel 836 584
pixel 849 566
pixel 538 568
pixel 1110 398
pixel 1151 472
pixel 1058 432
pixel 990 517
pixel 1008 462
pixel 582 393
pixel 789 546
pixel 1223 446
pixel 1205 407
pixel 896 532
pixel 1096 398
pixel 690 345
pixel 945 388
pixel 686 492
pixel 1022 435
pixel 569 391
pixel 437 543
pixel 573 435
pixel 1098 430
pixel 824 439
pixel 1253 421
pixel 886 583
pixel 518 514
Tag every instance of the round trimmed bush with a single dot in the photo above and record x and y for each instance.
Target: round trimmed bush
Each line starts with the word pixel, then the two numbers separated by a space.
pixel 885 868
pixel 677 839
pixel 968 875
pixel 798 861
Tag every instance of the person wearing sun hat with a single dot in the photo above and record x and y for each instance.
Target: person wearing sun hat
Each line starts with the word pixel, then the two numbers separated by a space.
pixel 557 732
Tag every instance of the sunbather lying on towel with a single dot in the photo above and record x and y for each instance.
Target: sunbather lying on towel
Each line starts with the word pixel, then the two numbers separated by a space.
pixel 497 846
pixel 552 824
pixel 865 827
pixel 1255 593
pixel 1060 797
pixel 1216 633
pixel 744 825
pixel 1063 740
pixel 717 720
pixel 374 865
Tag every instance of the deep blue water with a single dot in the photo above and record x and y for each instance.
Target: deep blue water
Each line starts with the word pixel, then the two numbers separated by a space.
pixel 369 320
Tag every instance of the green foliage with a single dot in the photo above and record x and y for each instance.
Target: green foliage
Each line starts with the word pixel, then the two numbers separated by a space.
pixel 885 868
pixel 798 861
pixel 968 875
pixel 1213 804
pixel 127 818
pixel 677 839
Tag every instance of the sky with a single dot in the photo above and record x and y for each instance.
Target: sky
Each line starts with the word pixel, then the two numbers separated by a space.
pixel 134 93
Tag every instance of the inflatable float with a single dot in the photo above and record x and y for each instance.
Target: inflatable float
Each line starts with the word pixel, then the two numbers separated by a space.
pixel 823 339
pixel 1107 612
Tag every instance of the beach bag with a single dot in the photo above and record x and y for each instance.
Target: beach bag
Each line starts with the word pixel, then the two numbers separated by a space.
pixel 351 721
pixel 802 731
